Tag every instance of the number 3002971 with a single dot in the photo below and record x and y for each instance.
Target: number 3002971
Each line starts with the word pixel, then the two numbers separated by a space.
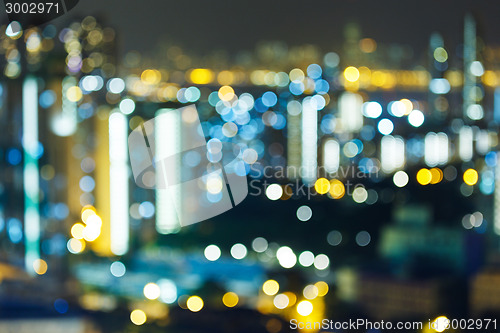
pixel 32 8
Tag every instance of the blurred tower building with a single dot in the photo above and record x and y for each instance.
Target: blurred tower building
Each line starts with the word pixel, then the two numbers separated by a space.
pixel 439 86
pixel 11 177
pixel 484 291
pixel 294 144
pixel 413 246
pixel 496 203
pixel 389 298
pixel 25 209
pixel 352 36
pixel 470 54
pixel 47 172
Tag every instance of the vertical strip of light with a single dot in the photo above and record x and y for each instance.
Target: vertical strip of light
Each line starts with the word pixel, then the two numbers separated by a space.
pixel 309 142
pixel 483 141
pixel 118 182
pixel 331 155
pixel 436 149
pixel 496 212
pixel 465 143
pixel 444 148
pixel 31 172
pixel 102 245
pixel 496 105
pixel 431 149
pixel 64 120
pixel 351 112
pixel 167 136
pixel 294 145
pixel 392 153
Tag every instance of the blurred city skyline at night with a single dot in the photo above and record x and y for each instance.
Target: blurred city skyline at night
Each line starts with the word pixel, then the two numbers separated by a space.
pixel 367 133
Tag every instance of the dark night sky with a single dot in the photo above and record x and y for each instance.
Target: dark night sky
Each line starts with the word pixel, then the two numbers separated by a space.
pixel 233 25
